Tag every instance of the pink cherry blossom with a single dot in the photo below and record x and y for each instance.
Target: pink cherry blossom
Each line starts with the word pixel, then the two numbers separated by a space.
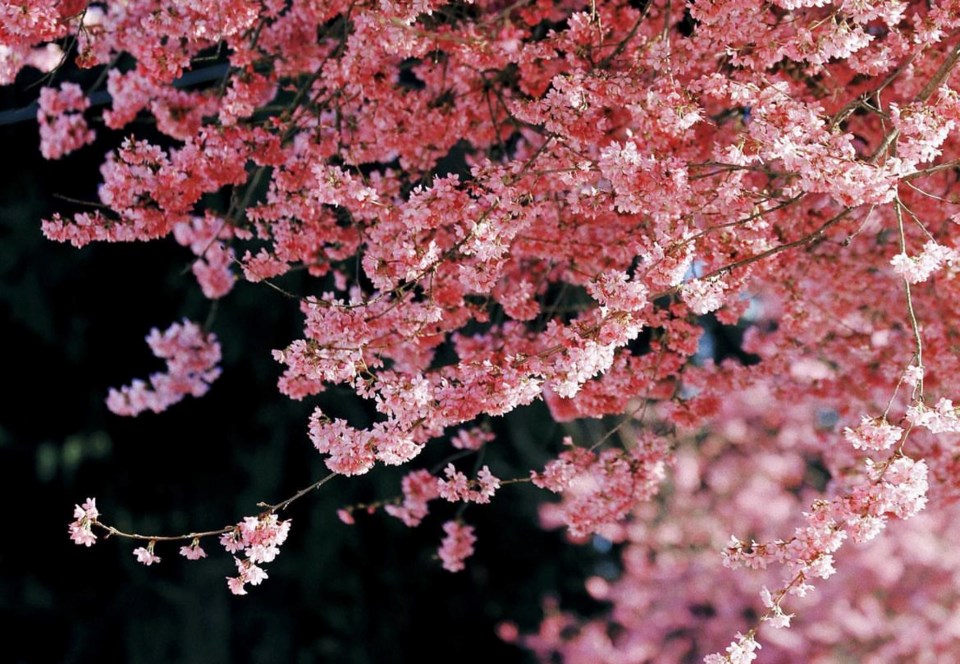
pixel 62 126
pixel 248 572
pixel 346 517
pixel 212 267
pixel 419 488
pixel 873 434
pixel 458 488
pixel 191 357
pixel 471 439
pixel 81 527
pixel 703 295
pixel 457 545
pixel 145 555
pixel 915 269
pixel 259 538
pixel 193 551
pixel 741 651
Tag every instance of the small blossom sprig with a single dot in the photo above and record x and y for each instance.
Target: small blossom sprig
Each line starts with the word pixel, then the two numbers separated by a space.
pixel 145 554
pixel 740 651
pixel 420 487
pixel 873 434
pixel 84 518
pixel 919 268
pixel 457 545
pixel 258 538
pixel 63 128
pixel 897 487
pixel 87 516
pixel 458 488
pixel 588 507
pixel 193 550
pixel 191 356
pixel 601 489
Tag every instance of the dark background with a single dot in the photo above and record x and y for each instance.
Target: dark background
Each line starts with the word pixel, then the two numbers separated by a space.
pixel 73 325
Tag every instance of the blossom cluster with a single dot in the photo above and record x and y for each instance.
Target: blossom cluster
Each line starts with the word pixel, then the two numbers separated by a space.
pixel 259 538
pixel 457 487
pixel 191 356
pixel 62 127
pixel 457 545
pixel 600 490
pixel 81 528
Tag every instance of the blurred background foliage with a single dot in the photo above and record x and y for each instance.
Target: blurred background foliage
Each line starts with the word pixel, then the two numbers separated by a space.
pixel 74 323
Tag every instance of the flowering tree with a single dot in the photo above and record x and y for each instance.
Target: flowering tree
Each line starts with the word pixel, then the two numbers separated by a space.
pixel 500 202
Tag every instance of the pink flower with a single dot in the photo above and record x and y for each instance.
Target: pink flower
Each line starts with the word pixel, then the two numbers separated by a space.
pixel 193 551
pixel 616 291
pixel 471 439
pixel 942 418
pixel 457 545
pixel 703 295
pixel 455 487
pixel 248 572
pixel 62 126
pixel 84 517
pixel 191 356
pixel 873 434
pixel 742 650
pixel 600 490
pixel 916 269
pixel 262 537
pixel 232 541
pixel 913 375
pixel 259 537
pixel 458 488
pixel 419 488
pixel 212 267
pixel 350 450
pixel 235 584
pixel 145 555
pixel 488 484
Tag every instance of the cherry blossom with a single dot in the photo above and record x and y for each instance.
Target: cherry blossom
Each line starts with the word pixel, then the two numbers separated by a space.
pixel 191 358
pixel 915 269
pixel 457 545
pixel 145 554
pixel 740 651
pixel 259 538
pixel 600 490
pixel 419 488
pixel 873 435
pixel 247 572
pixel 458 488
pixel 471 439
pixel 84 516
pixel 193 551
pixel 62 127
